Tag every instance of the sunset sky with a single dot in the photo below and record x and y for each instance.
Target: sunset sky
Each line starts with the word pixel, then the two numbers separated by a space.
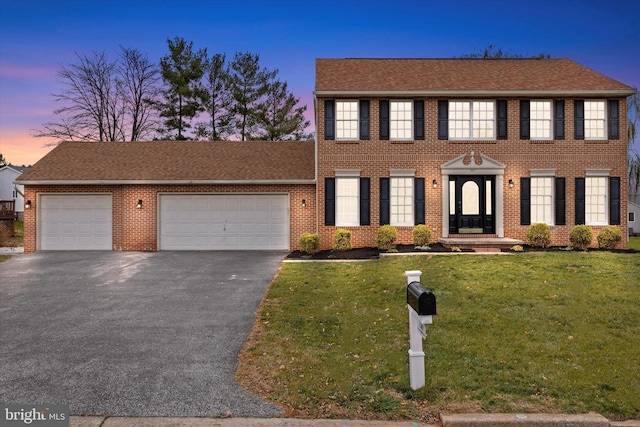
pixel 37 37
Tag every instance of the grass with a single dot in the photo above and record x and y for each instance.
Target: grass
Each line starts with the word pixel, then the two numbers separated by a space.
pixel 634 243
pixel 535 332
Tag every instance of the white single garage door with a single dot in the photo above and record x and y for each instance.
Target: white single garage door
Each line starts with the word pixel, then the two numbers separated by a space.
pixel 231 222
pixel 75 222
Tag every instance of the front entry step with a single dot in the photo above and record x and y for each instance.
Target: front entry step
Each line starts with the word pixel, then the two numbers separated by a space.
pixel 484 242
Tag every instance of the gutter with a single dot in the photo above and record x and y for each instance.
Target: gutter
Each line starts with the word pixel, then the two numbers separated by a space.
pixel 479 93
pixel 166 182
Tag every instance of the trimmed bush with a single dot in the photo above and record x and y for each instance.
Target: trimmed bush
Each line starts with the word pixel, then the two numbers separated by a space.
pixel 609 237
pixel 539 235
pixel 421 235
pixel 342 240
pixel 581 236
pixel 387 234
pixel 309 243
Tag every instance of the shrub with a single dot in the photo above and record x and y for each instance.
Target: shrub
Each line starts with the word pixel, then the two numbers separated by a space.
pixel 517 248
pixel 421 235
pixel 539 235
pixel 342 240
pixel 580 236
pixel 387 234
pixel 309 243
pixel 609 237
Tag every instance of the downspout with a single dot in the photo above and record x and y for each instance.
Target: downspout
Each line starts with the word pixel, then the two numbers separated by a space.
pixel 315 141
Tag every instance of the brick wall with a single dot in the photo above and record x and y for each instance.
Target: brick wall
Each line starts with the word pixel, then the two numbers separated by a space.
pixel 375 157
pixel 136 229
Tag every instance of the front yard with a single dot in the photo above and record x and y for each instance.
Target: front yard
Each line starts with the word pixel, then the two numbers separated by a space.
pixel 532 332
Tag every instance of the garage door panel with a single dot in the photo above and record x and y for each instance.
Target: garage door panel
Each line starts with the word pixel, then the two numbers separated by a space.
pixel 75 222
pixel 224 222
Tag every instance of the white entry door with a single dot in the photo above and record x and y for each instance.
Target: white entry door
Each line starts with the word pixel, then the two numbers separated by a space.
pixel 232 222
pixel 75 222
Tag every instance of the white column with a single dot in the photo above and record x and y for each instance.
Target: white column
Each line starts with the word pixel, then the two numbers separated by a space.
pixel 500 205
pixel 445 205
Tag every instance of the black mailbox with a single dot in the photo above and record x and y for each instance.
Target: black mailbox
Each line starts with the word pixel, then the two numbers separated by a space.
pixel 420 299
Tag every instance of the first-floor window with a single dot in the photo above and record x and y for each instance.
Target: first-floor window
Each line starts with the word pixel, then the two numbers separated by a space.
pixel 347 201
pixel 542 200
pixel 402 201
pixel 632 217
pixel 596 200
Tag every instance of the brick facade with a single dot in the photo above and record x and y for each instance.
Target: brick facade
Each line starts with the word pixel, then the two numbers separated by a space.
pixel 137 229
pixel 375 158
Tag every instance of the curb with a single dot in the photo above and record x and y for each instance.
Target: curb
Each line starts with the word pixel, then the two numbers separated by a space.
pixel 532 420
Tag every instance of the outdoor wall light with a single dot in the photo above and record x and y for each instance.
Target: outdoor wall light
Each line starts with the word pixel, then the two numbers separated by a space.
pixel 139 205
pixel 435 184
pixel 304 203
pixel 28 204
pixel 511 184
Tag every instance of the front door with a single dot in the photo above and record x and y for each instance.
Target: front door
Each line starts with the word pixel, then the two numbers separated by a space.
pixel 471 204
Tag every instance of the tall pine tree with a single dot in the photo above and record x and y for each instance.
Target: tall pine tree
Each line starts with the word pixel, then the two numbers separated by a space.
pixel 279 117
pixel 216 100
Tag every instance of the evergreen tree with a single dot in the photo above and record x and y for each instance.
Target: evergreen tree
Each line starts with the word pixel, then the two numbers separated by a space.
pixel 181 70
pixel 216 100
pixel 278 117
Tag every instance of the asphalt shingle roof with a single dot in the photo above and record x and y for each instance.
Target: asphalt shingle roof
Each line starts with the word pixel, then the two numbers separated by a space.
pixel 176 161
pixel 460 75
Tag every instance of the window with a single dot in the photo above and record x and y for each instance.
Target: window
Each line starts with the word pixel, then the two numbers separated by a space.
pixel 596 200
pixel 540 119
pixel 401 123
pixel 347 201
pixel 346 119
pixel 632 217
pixel 402 201
pixel 542 200
pixel 595 126
pixel 471 120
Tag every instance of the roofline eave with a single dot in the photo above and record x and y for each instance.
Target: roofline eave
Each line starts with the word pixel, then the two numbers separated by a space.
pixel 167 182
pixel 475 93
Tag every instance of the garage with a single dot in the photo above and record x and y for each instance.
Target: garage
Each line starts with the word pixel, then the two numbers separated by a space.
pixel 75 222
pixel 230 222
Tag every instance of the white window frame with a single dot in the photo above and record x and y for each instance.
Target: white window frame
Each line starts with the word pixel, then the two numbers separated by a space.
pixel 540 120
pixel 402 205
pixel 466 115
pixel 347 199
pixel 596 197
pixel 595 119
pixel 399 122
pixel 347 120
pixel 632 217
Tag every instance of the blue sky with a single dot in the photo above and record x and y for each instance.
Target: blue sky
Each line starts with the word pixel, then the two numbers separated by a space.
pixel 37 37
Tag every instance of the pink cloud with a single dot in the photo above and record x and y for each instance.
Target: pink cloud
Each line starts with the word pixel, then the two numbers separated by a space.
pixel 21 71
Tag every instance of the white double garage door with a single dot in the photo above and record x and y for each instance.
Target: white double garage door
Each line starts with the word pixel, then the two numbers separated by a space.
pixel 186 222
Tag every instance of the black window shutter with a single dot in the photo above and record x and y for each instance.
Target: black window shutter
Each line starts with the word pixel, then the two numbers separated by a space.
pixel 364 119
pixel 385 201
pixel 384 119
pixel 560 202
pixel 443 119
pixel 418 119
pixel 558 120
pixel 329 119
pixel 614 200
pixel 329 201
pixel 365 201
pixel 580 206
pixel 525 117
pixel 418 188
pixel 614 119
pixel 525 201
pixel 503 129
pixel 578 120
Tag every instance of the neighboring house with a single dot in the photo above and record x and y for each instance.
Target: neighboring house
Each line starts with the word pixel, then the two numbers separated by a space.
pixel 11 191
pixel 476 149
pixel 634 218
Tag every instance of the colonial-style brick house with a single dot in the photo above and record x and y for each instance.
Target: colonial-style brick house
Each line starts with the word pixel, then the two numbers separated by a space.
pixel 472 148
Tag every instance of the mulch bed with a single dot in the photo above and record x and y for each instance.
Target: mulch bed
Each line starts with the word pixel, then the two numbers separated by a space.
pixel 527 248
pixel 368 253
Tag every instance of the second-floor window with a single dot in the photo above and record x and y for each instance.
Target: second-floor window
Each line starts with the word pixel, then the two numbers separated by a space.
pixel 471 120
pixel 401 120
pixel 540 121
pixel 595 124
pixel 346 119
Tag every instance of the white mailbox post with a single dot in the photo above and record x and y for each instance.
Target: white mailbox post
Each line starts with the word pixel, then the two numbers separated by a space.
pixel 419 303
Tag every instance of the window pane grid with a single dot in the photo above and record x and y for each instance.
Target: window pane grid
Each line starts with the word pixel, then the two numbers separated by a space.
pixel 594 120
pixel 542 200
pixel 401 201
pixel 347 201
pixel 347 119
pixel 540 119
pixel 596 200
pixel 401 120
pixel 471 120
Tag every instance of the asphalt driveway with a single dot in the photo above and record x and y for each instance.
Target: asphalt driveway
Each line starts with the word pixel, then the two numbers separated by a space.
pixel 131 333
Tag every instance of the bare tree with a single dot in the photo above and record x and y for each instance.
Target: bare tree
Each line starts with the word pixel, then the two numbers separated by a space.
pixel 633 118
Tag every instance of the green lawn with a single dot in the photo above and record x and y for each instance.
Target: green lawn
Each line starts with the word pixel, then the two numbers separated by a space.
pixel 551 332
pixel 634 243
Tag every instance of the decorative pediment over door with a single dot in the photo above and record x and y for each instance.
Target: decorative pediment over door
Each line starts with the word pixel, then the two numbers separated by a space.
pixel 473 164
